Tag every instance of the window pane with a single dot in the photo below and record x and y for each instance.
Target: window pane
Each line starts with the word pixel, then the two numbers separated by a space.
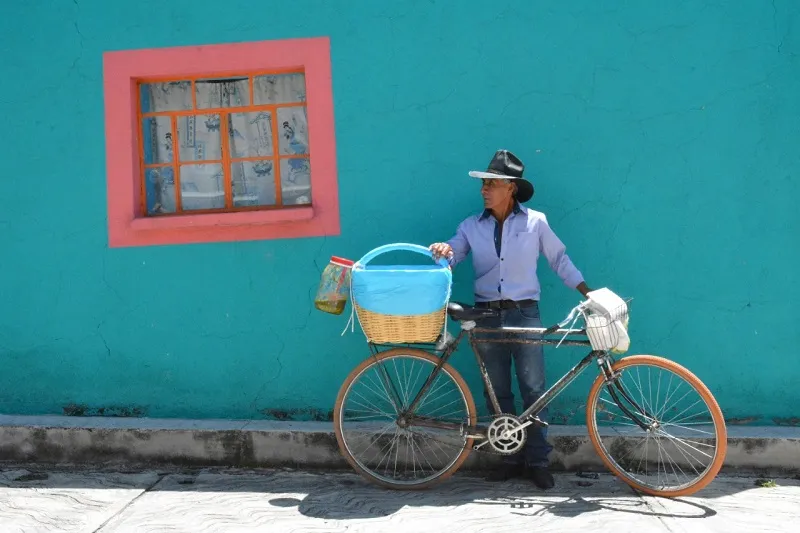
pixel 279 89
pixel 200 138
pixel 202 187
pixel 222 93
pixel 295 181
pixel 293 130
pixel 253 183
pixel 159 190
pixel 251 134
pixel 166 96
pixel 157 140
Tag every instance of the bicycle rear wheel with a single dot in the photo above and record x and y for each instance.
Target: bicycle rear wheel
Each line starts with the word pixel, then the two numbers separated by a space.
pixel 367 412
pixel 685 445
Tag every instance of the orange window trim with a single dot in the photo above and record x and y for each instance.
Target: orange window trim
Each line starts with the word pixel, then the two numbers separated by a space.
pixel 124 71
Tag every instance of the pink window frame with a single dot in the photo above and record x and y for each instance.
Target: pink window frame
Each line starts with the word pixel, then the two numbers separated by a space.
pixel 128 225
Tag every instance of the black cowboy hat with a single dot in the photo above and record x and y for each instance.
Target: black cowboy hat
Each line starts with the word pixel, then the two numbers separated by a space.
pixel 505 165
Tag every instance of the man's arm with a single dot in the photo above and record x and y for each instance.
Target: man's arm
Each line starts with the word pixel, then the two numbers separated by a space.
pixel 556 254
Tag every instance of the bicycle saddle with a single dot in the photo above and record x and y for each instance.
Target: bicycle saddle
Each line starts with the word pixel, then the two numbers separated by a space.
pixel 463 313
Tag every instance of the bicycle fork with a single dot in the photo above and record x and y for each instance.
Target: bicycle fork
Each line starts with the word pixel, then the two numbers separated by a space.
pixel 615 389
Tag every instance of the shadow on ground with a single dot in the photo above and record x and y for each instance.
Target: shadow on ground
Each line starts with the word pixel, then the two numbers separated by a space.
pixel 342 496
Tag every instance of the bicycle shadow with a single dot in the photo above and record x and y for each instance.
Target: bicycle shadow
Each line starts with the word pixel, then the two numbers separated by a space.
pixel 465 498
pixel 340 497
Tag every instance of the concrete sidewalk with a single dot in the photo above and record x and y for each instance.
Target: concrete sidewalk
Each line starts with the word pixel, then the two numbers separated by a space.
pixel 142 443
pixel 281 501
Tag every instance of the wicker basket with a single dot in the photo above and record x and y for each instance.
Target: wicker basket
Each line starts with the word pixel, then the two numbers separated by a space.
pixel 401 304
pixel 392 329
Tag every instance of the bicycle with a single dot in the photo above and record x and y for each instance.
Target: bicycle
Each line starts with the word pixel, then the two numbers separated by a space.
pixel 409 427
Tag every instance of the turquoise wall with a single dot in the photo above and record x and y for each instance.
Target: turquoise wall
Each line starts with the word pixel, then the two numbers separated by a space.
pixel 662 138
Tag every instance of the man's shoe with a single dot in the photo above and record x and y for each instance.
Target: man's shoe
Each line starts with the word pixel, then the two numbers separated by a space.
pixel 541 477
pixel 505 472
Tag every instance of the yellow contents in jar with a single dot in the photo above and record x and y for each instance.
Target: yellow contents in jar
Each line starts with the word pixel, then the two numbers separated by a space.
pixel 334 307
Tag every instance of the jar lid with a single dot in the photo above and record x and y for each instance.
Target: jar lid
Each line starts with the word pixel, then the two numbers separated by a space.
pixel 341 261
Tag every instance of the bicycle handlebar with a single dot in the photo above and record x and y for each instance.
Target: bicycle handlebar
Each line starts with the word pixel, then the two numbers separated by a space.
pixel 577 309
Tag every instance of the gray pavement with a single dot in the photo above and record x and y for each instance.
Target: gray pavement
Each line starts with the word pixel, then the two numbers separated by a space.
pixel 293 501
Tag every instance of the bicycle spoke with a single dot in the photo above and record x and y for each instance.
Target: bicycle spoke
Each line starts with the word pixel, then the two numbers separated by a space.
pixel 650 392
pixel 646 446
pixel 695 403
pixel 370 408
pixel 658 395
pixel 685 443
pixel 688 458
pixel 430 413
pixel 389 397
pixel 432 391
pixel 423 455
pixel 665 453
pixel 660 412
pixel 684 426
pixel 641 392
pixel 365 417
pixel 388 453
pixel 376 440
pixel 403 395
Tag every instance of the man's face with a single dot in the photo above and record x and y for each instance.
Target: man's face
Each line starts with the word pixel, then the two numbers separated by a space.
pixel 496 193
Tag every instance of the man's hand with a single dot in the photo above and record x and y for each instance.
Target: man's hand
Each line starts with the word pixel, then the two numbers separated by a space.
pixel 441 250
pixel 584 289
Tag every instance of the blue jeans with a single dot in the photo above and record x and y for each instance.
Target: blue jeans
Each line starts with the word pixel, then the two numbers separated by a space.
pixel 529 365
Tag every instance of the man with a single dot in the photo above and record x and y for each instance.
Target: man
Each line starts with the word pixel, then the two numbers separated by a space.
pixel 506 241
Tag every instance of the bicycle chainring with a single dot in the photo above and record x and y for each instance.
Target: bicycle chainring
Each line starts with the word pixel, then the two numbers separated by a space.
pixel 506 444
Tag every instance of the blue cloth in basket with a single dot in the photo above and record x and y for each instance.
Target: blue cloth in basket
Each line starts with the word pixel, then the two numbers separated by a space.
pixel 401 289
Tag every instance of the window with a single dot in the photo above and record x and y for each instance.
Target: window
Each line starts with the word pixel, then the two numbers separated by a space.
pixel 242 143
pixel 220 143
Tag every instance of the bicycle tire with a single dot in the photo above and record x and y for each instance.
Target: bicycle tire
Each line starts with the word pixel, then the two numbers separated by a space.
pixel 718 419
pixel 356 372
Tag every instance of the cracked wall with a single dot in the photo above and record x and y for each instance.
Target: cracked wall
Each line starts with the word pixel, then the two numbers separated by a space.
pixel 662 140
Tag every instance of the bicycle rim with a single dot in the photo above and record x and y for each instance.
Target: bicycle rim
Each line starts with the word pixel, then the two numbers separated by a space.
pixel 685 446
pixel 366 415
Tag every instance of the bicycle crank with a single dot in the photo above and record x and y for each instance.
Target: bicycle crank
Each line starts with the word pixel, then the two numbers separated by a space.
pixel 506 434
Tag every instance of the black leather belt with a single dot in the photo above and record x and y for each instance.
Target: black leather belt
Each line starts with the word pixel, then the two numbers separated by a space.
pixel 506 304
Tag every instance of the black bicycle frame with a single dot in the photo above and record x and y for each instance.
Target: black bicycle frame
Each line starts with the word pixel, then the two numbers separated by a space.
pixel 532 412
pixel 551 393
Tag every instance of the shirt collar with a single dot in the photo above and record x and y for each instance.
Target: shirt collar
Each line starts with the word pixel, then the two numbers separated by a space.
pixel 517 209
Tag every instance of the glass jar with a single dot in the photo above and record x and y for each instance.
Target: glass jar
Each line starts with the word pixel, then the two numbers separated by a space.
pixel 334 286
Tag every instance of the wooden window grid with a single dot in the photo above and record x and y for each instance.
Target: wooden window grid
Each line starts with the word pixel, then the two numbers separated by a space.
pixel 226 160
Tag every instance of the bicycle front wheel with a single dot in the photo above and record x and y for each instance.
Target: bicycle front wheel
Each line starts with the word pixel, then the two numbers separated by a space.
pixel 684 445
pixel 367 420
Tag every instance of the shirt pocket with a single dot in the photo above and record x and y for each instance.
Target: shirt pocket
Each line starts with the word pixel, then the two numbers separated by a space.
pixel 526 244
pixel 527 238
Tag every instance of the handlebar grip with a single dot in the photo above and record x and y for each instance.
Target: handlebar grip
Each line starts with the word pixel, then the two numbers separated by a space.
pixel 551 330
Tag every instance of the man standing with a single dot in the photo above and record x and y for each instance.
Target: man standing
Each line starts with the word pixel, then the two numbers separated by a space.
pixel 506 240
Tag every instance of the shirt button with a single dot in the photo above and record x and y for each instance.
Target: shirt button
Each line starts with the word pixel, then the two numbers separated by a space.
pixel 502 280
